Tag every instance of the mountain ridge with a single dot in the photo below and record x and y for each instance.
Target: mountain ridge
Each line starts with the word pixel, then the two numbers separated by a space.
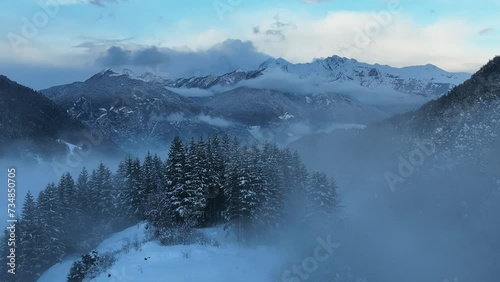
pixel 423 80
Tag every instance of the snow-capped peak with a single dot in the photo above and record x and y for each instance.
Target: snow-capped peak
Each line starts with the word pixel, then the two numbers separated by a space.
pixel 104 71
pixel 270 63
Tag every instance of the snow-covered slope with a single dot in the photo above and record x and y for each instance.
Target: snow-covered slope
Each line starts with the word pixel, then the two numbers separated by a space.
pixel 226 262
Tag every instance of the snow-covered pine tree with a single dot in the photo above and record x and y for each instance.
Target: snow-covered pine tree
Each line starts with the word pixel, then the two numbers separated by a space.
pixel 136 192
pixel 82 193
pixel 149 184
pixel 321 196
pixel 67 206
pixel 159 167
pixel 102 188
pixel 296 187
pixel 258 178
pixel 232 214
pixel 193 195
pixel 242 198
pixel 214 174
pixel 130 193
pixel 83 207
pixel 286 160
pixel 51 219
pixel 119 193
pixel 300 176
pixel 176 181
pixel 225 148
pixel 155 198
pixel 30 242
pixel 273 199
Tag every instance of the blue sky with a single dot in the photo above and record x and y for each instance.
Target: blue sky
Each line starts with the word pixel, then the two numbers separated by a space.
pixel 75 40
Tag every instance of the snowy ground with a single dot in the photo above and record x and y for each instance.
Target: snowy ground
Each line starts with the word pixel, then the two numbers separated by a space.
pixel 191 263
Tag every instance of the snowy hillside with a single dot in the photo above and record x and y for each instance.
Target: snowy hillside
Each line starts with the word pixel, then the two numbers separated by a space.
pixel 225 262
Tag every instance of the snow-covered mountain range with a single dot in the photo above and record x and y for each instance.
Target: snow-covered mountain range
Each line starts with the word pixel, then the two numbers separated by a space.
pixel 145 110
pixel 427 80
pixel 279 100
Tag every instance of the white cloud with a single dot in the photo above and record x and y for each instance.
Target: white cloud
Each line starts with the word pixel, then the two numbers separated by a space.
pixel 452 44
pixel 447 43
pixel 215 121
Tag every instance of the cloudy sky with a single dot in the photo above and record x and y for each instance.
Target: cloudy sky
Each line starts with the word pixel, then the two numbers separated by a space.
pixel 48 42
